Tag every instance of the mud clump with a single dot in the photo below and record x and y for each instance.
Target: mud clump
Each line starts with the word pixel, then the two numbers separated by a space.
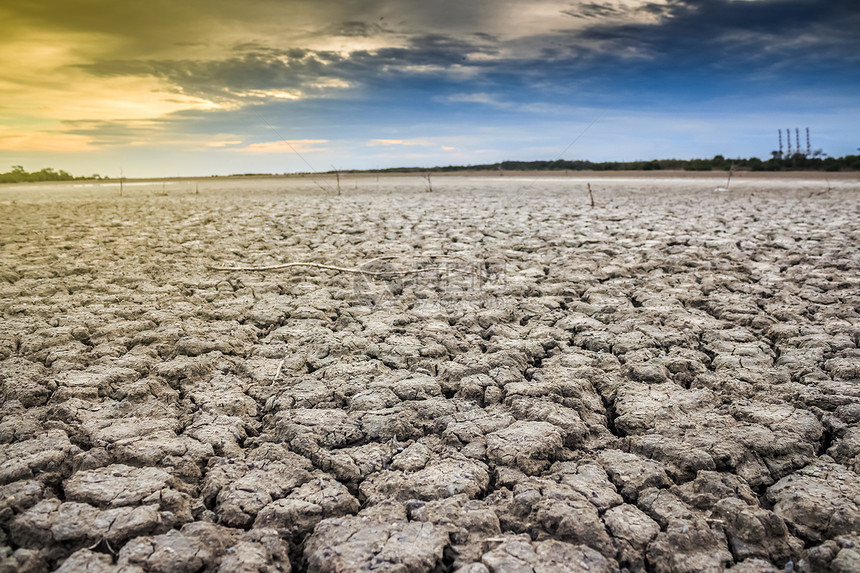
pixel 664 383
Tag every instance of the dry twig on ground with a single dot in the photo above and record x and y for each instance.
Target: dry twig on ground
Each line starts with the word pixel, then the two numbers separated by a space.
pixel 280 367
pixel 339 269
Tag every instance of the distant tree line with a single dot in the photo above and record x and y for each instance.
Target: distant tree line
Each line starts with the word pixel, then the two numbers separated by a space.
pixel 18 175
pixel 797 162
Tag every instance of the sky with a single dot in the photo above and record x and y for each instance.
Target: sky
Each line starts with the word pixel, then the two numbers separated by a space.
pixel 217 87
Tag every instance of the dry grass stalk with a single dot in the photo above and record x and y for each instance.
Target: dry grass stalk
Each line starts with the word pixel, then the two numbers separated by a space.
pixel 278 373
pixel 339 269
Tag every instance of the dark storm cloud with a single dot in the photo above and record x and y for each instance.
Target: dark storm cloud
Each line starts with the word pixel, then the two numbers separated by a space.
pixel 749 38
pixel 702 49
pixel 594 10
pixel 356 29
pixel 726 31
pixel 438 49
pixel 227 78
pixel 102 132
pixel 256 67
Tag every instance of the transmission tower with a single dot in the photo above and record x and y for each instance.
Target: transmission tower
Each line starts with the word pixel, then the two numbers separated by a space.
pixel 797 139
pixel 808 145
pixel 788 140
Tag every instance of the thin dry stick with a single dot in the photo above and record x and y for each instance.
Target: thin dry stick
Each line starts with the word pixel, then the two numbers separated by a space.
pixel 278 373
pixel 590 194
pixel 423 255
pixel 334 268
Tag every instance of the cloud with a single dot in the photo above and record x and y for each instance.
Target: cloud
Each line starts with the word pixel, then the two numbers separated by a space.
pixel 480 98
pixel 224 143
pixel 725 32
pixel 285 146
pixel 382 43
pixel 270 94
pixel 496 102
pixel 413 142
pixel 12 140
pixel 620 11
pixel 269 73
pixel 389 142
pixel 357 29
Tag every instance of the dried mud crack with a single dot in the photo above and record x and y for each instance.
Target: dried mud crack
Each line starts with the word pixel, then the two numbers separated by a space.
pixel 476 379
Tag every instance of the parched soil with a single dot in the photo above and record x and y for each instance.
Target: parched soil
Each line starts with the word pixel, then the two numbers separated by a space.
pixel 666 382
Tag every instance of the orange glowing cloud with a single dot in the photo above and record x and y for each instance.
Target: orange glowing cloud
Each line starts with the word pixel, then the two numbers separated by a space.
pixel 391 142
pixel 20 140
pixel 291 146
pixel 224 143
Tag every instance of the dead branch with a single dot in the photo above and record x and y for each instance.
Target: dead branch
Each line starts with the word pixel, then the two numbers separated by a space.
pixel 338 269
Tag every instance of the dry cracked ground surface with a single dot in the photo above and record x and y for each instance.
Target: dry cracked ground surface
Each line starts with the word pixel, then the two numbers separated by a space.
pixel 666 382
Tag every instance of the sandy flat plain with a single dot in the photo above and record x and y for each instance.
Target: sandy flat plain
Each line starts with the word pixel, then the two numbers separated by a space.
pixel 668 381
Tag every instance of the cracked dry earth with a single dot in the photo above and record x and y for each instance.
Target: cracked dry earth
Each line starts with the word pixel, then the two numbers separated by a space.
pixel 668 382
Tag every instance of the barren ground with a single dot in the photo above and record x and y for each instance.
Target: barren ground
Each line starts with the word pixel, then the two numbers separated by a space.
pixel 666 382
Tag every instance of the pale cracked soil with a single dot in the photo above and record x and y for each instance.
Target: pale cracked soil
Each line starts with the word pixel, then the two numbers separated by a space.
pixel 666 382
